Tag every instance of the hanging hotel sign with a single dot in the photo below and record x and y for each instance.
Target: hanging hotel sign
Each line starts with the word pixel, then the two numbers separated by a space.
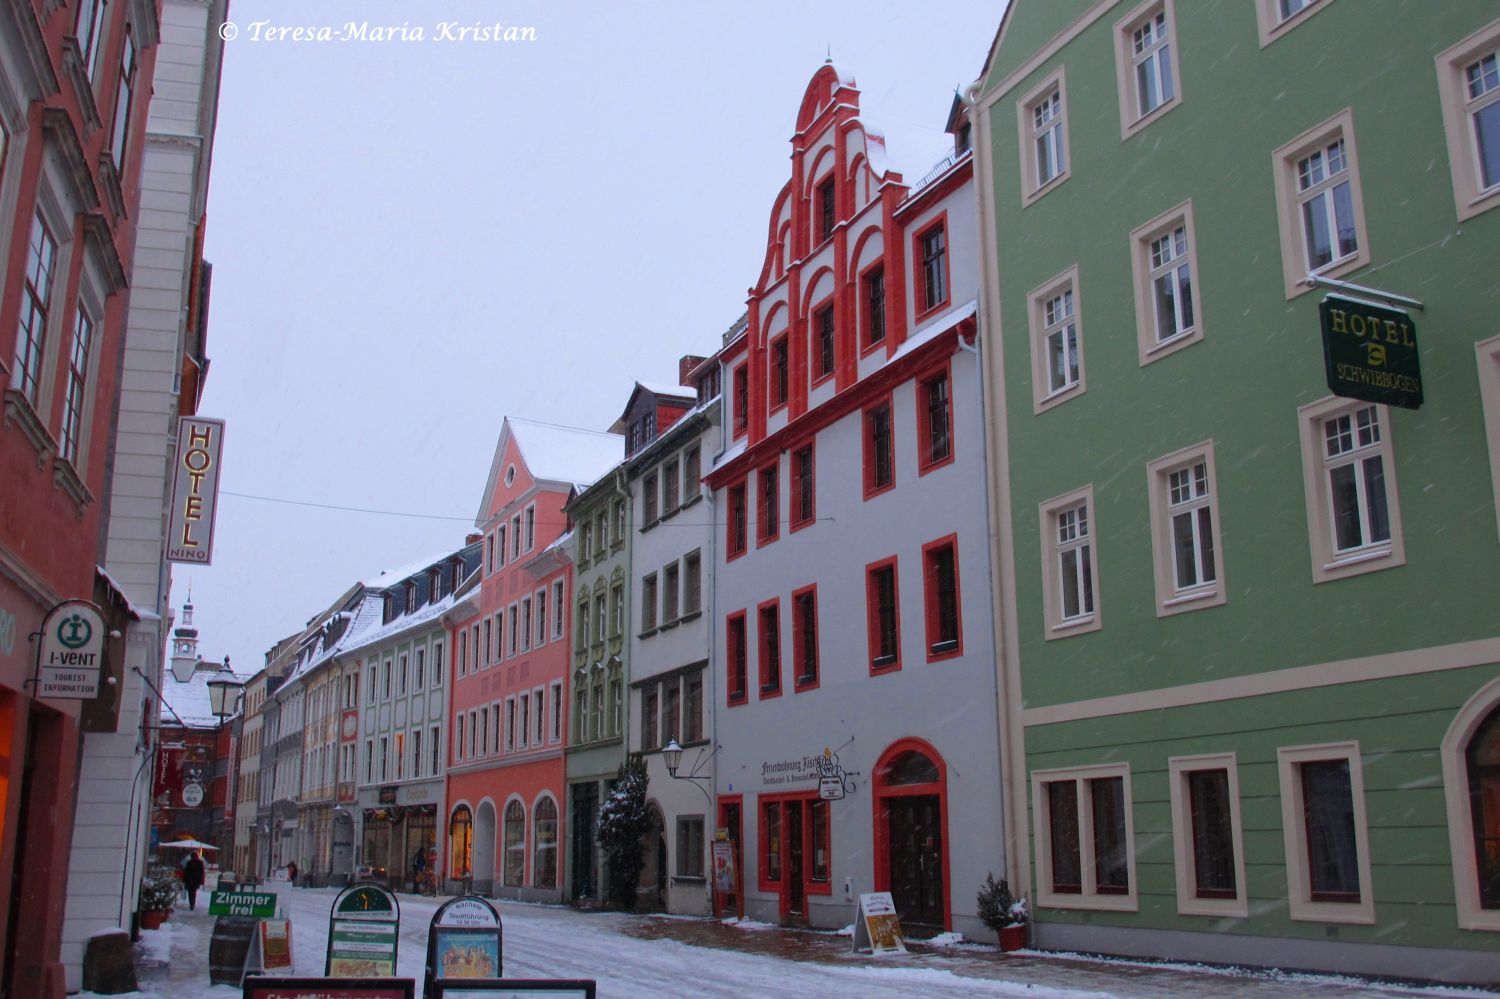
pixel 71 654
pixel 195 490
pixel 1370 352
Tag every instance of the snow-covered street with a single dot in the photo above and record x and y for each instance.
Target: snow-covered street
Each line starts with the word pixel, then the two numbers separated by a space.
pixel 663 956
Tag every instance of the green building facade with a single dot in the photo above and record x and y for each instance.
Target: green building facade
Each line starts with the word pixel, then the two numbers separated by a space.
pixel 1250 629
pixel 600 515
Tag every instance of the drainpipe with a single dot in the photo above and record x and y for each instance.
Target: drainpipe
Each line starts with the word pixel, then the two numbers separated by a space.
pixel 1013 781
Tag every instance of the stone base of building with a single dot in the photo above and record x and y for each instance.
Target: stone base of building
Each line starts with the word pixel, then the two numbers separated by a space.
pixel 1463 967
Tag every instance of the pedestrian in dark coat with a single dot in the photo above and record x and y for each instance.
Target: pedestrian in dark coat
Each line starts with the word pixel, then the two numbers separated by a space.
pixel 192 878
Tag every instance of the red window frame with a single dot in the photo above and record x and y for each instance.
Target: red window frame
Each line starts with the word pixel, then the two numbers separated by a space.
pixel 867 343
pixel 802 679
pixel 768 660
pixel 872 615
pixel 815 340
pixel 740 381
pixel 925 461
pixel 768 507
pixel 867 430
pixel 778 372
pixel 736 523
pixel 919 270
pixel 798 517
pixel 736 665
pixel 809 801
pixel 827 207
pixel 930 593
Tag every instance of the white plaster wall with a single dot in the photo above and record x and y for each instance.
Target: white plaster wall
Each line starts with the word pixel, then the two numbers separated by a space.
pixel 950 703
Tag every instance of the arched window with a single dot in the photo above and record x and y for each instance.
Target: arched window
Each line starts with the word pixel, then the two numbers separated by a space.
pixel 1483 762
pixel 461 842
pixel 910 767
pixel 515 844
pixel 544 866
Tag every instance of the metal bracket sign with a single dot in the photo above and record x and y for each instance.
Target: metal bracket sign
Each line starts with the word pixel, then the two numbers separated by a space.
pixel 463 942
pixel 1370 352
pixel 363 931
pixel 261 905
pixel 70 656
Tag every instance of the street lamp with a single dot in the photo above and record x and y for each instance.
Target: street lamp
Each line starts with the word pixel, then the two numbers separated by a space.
pixel 221 694
pixel 671 755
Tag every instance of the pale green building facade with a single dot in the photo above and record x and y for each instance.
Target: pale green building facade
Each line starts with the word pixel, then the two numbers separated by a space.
pixel 1250 628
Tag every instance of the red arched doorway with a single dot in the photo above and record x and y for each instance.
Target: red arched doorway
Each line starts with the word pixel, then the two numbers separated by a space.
pixel 911 834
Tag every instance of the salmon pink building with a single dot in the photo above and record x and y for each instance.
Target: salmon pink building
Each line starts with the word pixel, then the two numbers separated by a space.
pixel 506 770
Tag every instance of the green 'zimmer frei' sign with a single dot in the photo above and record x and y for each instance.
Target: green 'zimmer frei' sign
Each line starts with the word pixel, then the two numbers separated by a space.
pixel 242 903
pixel 1370 352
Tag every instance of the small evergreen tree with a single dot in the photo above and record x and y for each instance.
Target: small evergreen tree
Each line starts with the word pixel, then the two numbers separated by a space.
pixel 623 821
pixel 996 903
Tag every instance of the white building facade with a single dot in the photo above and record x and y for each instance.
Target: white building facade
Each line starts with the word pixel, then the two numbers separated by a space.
pixel 854 660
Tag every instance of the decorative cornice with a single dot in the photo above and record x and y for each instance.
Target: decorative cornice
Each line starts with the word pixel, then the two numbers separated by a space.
pixel 57 126
pixel 20 415
pixel 83 87
pixel 23 16
pixel 66 478
pixel 96 230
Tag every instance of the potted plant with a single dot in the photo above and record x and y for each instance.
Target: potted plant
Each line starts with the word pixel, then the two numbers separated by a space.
pixel 158 896
pixel 1003 913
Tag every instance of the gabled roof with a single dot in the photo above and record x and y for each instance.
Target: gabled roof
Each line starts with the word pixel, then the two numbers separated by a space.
pixel 684 392
pixel 553 453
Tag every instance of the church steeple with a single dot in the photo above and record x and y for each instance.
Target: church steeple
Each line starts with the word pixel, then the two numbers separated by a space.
pixel 185 644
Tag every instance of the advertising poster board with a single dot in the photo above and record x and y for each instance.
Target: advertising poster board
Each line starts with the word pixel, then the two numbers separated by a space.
pixel 70 657
pixel 259 904
pixel 515 988
pixel 362 933
pixel 463 942
pixel 257 987
pixel 724 867
pixel 877 928
pixel 276 944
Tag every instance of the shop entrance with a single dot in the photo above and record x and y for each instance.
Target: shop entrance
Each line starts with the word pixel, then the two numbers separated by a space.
pixel 911 836
pixel 916 837
pixel 795 852
pixel 585 804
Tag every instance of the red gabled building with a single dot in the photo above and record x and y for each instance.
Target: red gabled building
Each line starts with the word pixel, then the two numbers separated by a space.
pixel 74 89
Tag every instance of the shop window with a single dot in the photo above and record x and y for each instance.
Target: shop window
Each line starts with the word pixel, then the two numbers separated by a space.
pixel 1327 843
pixel 515 844
pixel 544 863
pixel 1086 846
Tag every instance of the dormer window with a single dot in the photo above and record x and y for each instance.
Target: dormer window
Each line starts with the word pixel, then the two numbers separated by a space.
pixel 963 140
pixel 435 583
pixel 411 597
pixel 827 213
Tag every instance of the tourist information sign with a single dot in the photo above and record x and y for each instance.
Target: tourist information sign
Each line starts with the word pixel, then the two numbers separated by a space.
pixel 363 933
pixel 463 942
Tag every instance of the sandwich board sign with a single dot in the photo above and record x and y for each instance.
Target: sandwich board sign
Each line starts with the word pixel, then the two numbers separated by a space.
pixel 276 945
pixel 463 942
pixel 363 931
pixel 260 987
pixel 877 928
pixel 259 904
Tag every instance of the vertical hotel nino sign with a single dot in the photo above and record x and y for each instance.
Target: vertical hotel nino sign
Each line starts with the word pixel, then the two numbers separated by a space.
pixel 195 492
pixel 1370 352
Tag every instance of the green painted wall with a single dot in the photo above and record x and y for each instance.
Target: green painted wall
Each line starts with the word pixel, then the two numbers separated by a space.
pixel 1260 359
pixel 1261 356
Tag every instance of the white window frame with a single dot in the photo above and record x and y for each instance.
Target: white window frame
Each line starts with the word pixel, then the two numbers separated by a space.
pixel 1189 903
pixel 1170 599
pixel 1272 25
pixel 1487 353
pixel 1290 198
pixel 1089 897
pixel 1299 891
pixel 1042 395
pixel 529 523
pixel 1032 186
pixel 1327 563
pixel 559 609
pixel 539 624
pixel 1160 53
pixel 1050 511
pixel 1146 273
pixel 1470 910
pixel 1469 196
pixel 557 703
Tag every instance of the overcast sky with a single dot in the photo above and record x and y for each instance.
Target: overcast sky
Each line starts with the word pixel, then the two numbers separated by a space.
pixel 413 239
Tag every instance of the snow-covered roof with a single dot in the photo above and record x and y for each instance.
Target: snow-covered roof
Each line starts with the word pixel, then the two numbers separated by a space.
pixel 670 434
pixel 934 326
pixel 366 615
pixel 390 577
pixel 674 391
pixel 565 454
pixel 189 701
pixel 399 624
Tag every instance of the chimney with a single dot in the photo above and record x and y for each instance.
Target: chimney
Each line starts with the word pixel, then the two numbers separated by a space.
pixel 473 538
pixel 686 365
